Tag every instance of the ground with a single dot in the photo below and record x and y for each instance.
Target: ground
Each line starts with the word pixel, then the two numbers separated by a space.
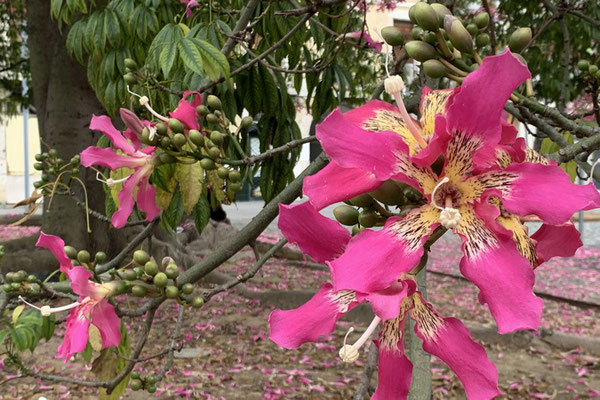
pixel 227 354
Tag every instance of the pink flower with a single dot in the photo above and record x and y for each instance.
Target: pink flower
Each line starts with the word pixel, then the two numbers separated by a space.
pixel 476 194
pixel 91 308
pixel 188 8
pixel 446 338
pixel 362 35
pixel 141 160
pixel 186 111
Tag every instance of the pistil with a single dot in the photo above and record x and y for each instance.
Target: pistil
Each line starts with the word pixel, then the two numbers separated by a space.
pixel 450 216
pixel 349 353
pixel 394 86
pixel 47 310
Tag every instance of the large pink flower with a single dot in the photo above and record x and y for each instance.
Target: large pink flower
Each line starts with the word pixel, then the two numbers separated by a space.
pixel 141 160
pixel 447 338
pixel 92 307
pixel 372 144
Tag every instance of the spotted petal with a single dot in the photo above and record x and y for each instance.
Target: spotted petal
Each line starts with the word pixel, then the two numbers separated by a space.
pixel 395 369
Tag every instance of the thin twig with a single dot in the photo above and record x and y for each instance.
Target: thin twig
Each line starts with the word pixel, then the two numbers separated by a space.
pixel 172 345
pixel 272 152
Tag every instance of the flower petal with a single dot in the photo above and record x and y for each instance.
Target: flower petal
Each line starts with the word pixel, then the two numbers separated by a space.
pixel 450 341
pixel 386 303
pixel 146 199
pixel 291 328
pixel 394 374
pixel 57 246
pixel 103 124
pixel 504 277
pixel 334 183
pixel 105 319
pixel 80 283
pixel 186 111
pixel 126 200
pixel 108 158
pixel 373 260
pixel 76 334
pixel 320 237
pixel 433 102
pixel 556 241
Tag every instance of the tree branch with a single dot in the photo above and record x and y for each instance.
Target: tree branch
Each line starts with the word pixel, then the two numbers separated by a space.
pixel 584 17
pixel 240 26
pixel 271 153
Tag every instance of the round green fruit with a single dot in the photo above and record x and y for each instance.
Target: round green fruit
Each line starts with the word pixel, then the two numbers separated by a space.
pixel 346 215
pixel 160 280
pixel 140 257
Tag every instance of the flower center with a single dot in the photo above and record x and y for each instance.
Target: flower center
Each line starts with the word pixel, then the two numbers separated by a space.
pixel 349 353
pixel 449 196
pixel 393 86
pixel 109 181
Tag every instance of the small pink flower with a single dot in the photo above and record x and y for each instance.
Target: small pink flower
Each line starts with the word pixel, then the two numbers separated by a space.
pixel 362 35
pixel 141 160
pixel 189 5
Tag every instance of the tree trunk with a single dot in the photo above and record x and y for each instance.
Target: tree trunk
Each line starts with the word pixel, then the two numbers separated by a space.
pixel 65 102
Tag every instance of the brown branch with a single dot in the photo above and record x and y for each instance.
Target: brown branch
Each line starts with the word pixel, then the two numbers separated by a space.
pixel 491 26
pixel 584 17
pixel 312 8
pixel 172 345
pixel 271 153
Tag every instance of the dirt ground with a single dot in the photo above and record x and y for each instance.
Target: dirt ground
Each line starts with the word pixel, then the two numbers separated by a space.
pixel 228 354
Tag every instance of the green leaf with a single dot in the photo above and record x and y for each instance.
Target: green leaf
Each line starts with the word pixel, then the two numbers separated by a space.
pixel 201 214
pixel 190 55
pixel 214 62
pixel 17 312
pixel 108 365
pixel 48 326
pixel 117 187
pixel 189 177
pixel 22 336
pixel 4 334
pixel 171 217
pixel 548 147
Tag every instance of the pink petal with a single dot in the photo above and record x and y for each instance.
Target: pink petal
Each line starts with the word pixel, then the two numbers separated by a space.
pixel 291 328
pixel 146 199
pixel 76 334
pixel 108 158
pixel 394 374
pixel 386 303
pixel 546 191
pixel 334 183
pixel 126 200
pixel 367 38
pixel 556 241
pixel 103 124
pixel 105 319
pixel 186 111
pixel 373 260
pixel 79 277
pixel 449 340
pixel 320 237
pixel 352 147
pixel 132 138
pixel 57 246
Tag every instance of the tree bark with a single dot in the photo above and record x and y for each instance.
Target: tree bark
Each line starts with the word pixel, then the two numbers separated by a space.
pixel 64 103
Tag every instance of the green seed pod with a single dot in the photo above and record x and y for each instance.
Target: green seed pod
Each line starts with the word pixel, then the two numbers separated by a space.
pixel 129 78
pixel 71 252
pixel 39 157
pixel 151 268
pixel 430 38
pixel 482 40
pixel 482 20
pixel 145 137
pixel 188 288
pixel 16 278
pixel 10 276
pixel 172 271
pixel 592 69
pixel 129 275
pixel 356 229
pixel 597 74
pixel 458 34
pixel 38 166
pixel 22 275
pixel 213 102
pixel 392 36
pixel 203 110
pixel 135 375
pixel 179 140
pixel 346 215
pixel 217 138
pixel 235 176
pixel 362 200
pixel 416 33
pixel 165 142
pixel 83 257
pixel 207 164
pixel 175 125
pixel 75 160
pixel 246 122
pixel 420 51
pixel 196 137
pixel 214 153
pixel 212 118
pixel 389 193
pixel 138 291
pixel 100 257
pixel 235 186
pixel 75 171
pixel 160 280
pixel 140 257
pixel 167 158
pixel 38 184
pixel 15 286
pixel 472 29
pixel 53 152
pixel 434 69
pixel 519 39
pixel 7 287
pixel 161 129
pixel 583 65
pixel 131 64
pixel 426 16
pixel 411 15
pixel 31 279
pixel 150 380
pixel 171 292
pixel 367 218
pixel 222 172
pixel 209 144
pixel 441 11
pixel 135 384
pixel 197 302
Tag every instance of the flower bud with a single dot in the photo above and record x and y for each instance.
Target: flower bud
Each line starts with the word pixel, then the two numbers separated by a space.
pixel 213 102
pixel 583 65
pixel 346 215
pixel 38 166
pixel 392 36
pixel 160 280
pixel 458 34
pixel 212 118
pixel 368 218
pixel 129 78
pixel 188 288
pixel 411 14
pixel 131 121
pixel 356 229
pixel 420 51
pixel 207 164
pixel 235 176
pixel 172 292
pixel 214 153
pixel 145 137
pixel 482 20
pixel 196 137
pixel 197 302
pixel 389 193
pixel 202 110
pixel 434 69
pixel 592 69
pixel 131 64
pixel 222 172
pixel 416 33
pixel 135 384
pixel 140 257
pixel 430 38
pixel 83 257
pixel 179 140
pixel 472 29
pixel 129 275
pixel 246 122
pixel 235 186
pixel 71 252
pixel 441 11
pixel 217 137
pixel 100 257
pixel 362 200
pixel 151 268
pixel 482 40
pixel 175 125
pixel 172 271
pixel 161 129
pixel 426 16
pixel 519 39
pixel 166 261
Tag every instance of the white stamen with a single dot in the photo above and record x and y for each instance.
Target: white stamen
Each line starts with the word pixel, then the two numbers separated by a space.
pixel 449 217
pixel 152 132
pixel 349 353
pixel 109 181
pixel 393 86
pixel 145 102
pixel 440 183
pixel 47 310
